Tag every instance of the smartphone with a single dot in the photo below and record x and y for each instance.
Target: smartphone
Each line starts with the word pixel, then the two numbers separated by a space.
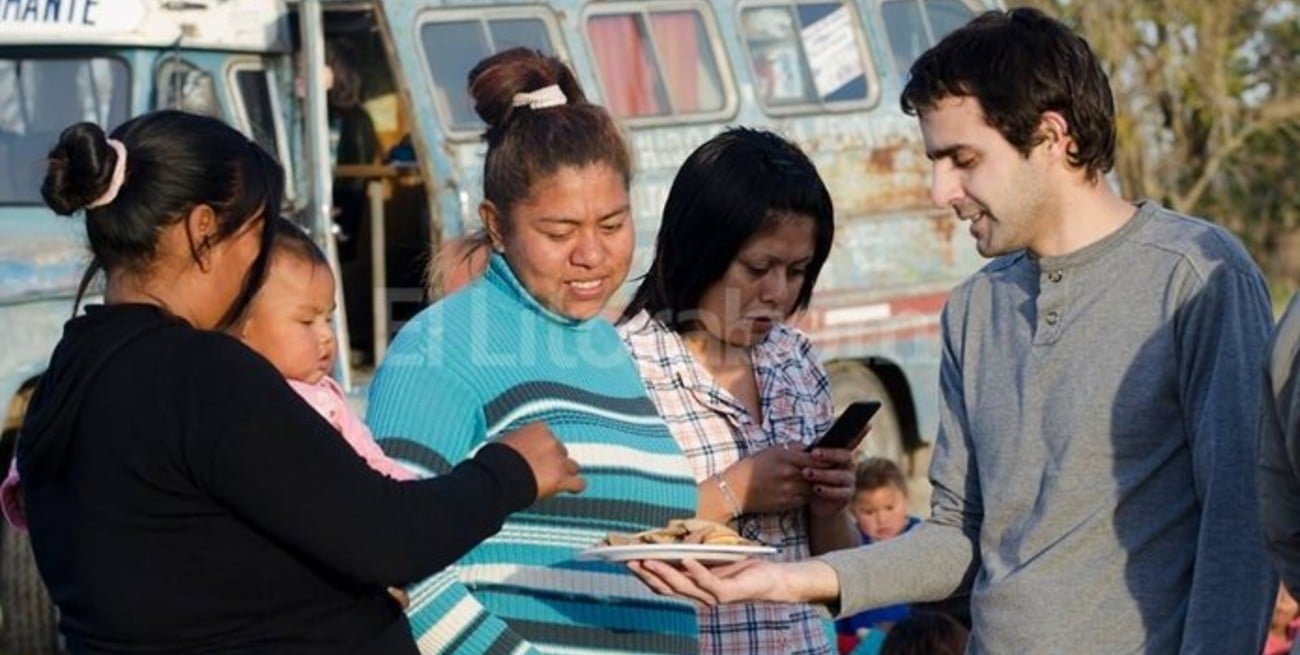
pixel 848 427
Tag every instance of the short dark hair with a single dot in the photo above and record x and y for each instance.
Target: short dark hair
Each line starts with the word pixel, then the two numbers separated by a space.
pixel 174 162
pixel 1019 64
pixel 877 472
pixel 347 89
pixel 926 633
pixel 292 240
pixel 733 187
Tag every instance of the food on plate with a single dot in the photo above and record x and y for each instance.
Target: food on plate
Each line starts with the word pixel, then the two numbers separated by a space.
pixel 682 531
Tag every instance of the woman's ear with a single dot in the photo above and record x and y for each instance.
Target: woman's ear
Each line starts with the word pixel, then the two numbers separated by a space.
pixel 492 222
pixel 201 231
pixel 202 222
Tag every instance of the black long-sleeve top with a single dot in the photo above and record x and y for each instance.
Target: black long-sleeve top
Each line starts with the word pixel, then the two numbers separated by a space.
pixel 183 499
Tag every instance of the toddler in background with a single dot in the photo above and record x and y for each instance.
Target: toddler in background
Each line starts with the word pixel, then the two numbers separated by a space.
pixel 880 507
pixel 880 500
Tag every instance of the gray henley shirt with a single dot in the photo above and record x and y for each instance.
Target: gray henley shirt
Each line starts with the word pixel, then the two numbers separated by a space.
pixel 1094 472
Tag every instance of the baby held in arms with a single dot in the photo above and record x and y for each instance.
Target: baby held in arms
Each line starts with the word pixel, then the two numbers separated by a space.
pixel 288 323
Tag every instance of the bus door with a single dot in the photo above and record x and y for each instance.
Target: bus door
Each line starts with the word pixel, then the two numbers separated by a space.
pixel 436 46
pixel 380 209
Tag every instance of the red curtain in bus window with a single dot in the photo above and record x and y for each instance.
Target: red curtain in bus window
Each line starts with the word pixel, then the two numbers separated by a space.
pixel 681 60
pixel 622 62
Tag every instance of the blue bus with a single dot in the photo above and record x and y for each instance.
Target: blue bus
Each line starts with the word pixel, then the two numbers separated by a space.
pixel 384 166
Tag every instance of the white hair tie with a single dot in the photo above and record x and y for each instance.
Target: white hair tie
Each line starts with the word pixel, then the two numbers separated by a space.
pixel 119 176
pixel 547 96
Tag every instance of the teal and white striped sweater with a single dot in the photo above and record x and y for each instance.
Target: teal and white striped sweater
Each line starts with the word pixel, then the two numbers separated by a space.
pixel 489 359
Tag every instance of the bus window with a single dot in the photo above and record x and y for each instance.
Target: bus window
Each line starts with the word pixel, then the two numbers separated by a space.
pixel 657 63
pixel 807 56
pixel 905 30
pixel 256 116
pixel 912 26
pixel 257 112
pixel 38 99
pixel 179 84
pixel 452 47
pixel 946 16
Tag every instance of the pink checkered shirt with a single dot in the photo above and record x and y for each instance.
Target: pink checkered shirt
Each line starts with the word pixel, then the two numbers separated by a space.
pixel 715 430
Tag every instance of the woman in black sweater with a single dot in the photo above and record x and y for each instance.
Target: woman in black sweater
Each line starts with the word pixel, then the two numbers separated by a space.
pixel 181 497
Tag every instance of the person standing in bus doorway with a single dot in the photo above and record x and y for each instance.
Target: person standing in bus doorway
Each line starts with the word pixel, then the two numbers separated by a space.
pixel 527 341
pixel 746 228
pixel 1094 474
pixel 353 140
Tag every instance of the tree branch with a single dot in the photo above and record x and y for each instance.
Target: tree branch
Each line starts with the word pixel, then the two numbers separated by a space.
pixel 1269 116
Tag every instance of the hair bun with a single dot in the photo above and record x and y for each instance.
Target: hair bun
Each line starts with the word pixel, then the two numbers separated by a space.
pixel 79 169
pixel 494 82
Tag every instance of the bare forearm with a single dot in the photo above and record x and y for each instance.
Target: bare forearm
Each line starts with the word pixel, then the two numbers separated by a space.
pixel 712 505
pixel 809 581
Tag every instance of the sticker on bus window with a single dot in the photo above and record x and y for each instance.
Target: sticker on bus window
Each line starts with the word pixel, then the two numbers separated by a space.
pixel 832 52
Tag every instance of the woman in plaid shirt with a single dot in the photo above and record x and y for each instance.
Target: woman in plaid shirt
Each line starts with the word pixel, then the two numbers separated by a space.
pixel 747 226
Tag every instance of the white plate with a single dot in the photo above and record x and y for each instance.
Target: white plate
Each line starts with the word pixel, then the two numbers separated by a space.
pixel 703 553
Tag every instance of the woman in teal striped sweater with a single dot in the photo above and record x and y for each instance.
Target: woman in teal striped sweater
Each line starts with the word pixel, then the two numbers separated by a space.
pixel 526 343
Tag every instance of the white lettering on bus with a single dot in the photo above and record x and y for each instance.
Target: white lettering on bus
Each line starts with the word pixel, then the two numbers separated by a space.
pixel 49 12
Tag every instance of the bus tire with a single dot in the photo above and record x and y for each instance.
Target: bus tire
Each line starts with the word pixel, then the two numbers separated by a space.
pixel 30 621
pixel 851 381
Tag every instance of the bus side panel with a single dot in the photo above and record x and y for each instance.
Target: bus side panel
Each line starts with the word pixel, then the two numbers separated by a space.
pixel 452 173
pixel 30 331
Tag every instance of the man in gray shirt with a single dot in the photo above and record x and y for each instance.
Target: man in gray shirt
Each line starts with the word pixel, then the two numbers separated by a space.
pixel 1094 474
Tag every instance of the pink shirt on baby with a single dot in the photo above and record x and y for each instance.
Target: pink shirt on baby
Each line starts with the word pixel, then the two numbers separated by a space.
pixel 9 505
pixel 326 397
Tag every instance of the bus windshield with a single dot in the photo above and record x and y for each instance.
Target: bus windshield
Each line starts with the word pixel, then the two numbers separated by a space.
pixel 39 97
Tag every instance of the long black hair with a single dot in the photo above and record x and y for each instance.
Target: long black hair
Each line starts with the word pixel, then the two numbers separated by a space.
pixel 174 162
pixel 735 186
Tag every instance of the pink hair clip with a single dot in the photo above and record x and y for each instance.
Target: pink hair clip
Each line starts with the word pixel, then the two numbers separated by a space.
pixel 119 176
